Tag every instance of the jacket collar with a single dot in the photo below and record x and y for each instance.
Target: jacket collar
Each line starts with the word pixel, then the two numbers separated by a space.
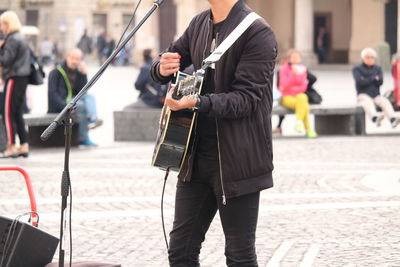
pixel 10 34
pixel 64 65
pixel 234 11
pixel 67 69
pixel 366 66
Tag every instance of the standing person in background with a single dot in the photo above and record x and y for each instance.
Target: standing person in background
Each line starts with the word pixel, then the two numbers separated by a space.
pixel 101 46
pixel 322 45
pixel 65 82
pixel 396 79
pixel 15 61
pixel 57 54
pixel 110 46
pixel 85 44
pixel 2 37
pixel 293 84
pixel 47 51
pixel 368 77
pixel 229 158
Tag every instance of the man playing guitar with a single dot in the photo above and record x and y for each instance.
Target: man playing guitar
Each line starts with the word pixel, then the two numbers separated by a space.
pixel 229 158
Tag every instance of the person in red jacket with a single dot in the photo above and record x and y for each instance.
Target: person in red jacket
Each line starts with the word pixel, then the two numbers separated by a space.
pixel 293 84
pixel 396 79
pixel 15 63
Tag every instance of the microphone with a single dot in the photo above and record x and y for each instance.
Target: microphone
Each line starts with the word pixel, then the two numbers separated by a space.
pixel 158 2
pixel 49 131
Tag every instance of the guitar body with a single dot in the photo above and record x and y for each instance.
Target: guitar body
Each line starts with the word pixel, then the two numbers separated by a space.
pixel 175 130
pixel 173 139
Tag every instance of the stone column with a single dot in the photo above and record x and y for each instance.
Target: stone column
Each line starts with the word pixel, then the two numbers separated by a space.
pixel 368 27
pixel 186 10
pixel 304 30
pixel 148 34
pixel 398 26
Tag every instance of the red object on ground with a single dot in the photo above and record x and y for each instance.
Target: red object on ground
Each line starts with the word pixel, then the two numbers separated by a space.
pixel 28 186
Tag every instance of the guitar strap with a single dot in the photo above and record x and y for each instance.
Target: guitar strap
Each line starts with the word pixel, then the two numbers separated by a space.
pixel 230 40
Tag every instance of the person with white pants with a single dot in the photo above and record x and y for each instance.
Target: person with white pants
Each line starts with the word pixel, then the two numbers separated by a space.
pixel 368 78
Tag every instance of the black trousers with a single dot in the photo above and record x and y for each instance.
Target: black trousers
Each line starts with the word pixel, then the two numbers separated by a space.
pixel 14 99
pixel 196 204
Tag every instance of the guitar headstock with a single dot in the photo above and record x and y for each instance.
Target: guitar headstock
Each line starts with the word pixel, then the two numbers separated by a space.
pixel 190 85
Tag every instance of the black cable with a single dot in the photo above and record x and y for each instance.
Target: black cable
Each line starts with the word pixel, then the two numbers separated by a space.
pixel 162 207
pixel 6 243
pixel 69 182
pixel 11 233
pixel 15 222
pixel 70 223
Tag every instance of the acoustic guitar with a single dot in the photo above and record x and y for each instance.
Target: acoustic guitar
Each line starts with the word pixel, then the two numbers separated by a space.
pixel 175 127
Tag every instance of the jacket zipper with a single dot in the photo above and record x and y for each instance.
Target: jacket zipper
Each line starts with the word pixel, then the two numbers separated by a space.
pixel 219 150
pixel 220 166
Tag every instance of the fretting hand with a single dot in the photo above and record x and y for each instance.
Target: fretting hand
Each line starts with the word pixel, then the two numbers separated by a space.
pixel 183 103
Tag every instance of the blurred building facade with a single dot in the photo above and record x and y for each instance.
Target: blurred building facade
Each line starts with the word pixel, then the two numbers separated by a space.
pixel 351 25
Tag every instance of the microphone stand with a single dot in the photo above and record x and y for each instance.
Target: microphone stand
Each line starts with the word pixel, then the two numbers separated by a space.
pixel 65 118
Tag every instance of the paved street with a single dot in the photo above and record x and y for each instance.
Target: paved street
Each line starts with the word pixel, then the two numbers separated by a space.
pixel 336 200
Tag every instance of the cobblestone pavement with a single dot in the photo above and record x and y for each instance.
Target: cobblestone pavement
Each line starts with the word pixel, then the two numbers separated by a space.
pixel 336 202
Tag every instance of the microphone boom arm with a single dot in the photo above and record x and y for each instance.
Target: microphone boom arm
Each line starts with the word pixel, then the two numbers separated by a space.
pixel 70 106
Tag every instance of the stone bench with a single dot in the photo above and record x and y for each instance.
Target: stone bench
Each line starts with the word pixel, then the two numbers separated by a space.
pixel 136 125
pixel 333 120
pixel 142 124
pixel 36 124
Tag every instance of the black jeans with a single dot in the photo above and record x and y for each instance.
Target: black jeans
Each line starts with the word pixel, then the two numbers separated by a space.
pixel 14 100
pixel 196 204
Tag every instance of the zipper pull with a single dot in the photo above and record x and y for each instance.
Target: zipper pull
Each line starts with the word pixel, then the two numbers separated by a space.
pixel 223 200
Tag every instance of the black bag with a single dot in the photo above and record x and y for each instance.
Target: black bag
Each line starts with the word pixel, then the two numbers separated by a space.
pixel 313 96
pixel 37 74
pixel 390 96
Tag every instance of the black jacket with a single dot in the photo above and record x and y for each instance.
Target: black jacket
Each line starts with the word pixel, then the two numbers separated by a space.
pixel 57 89
pixel 368 79
pixel 242 103
pixel 15 56
pixel 150 92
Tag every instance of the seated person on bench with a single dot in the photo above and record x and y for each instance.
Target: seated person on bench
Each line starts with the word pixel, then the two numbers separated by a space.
pixel 293 83
pixel 65 81
pixel 368 77
pixel 151 94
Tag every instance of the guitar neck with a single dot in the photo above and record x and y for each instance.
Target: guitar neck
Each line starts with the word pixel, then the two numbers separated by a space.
pixel 188 84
